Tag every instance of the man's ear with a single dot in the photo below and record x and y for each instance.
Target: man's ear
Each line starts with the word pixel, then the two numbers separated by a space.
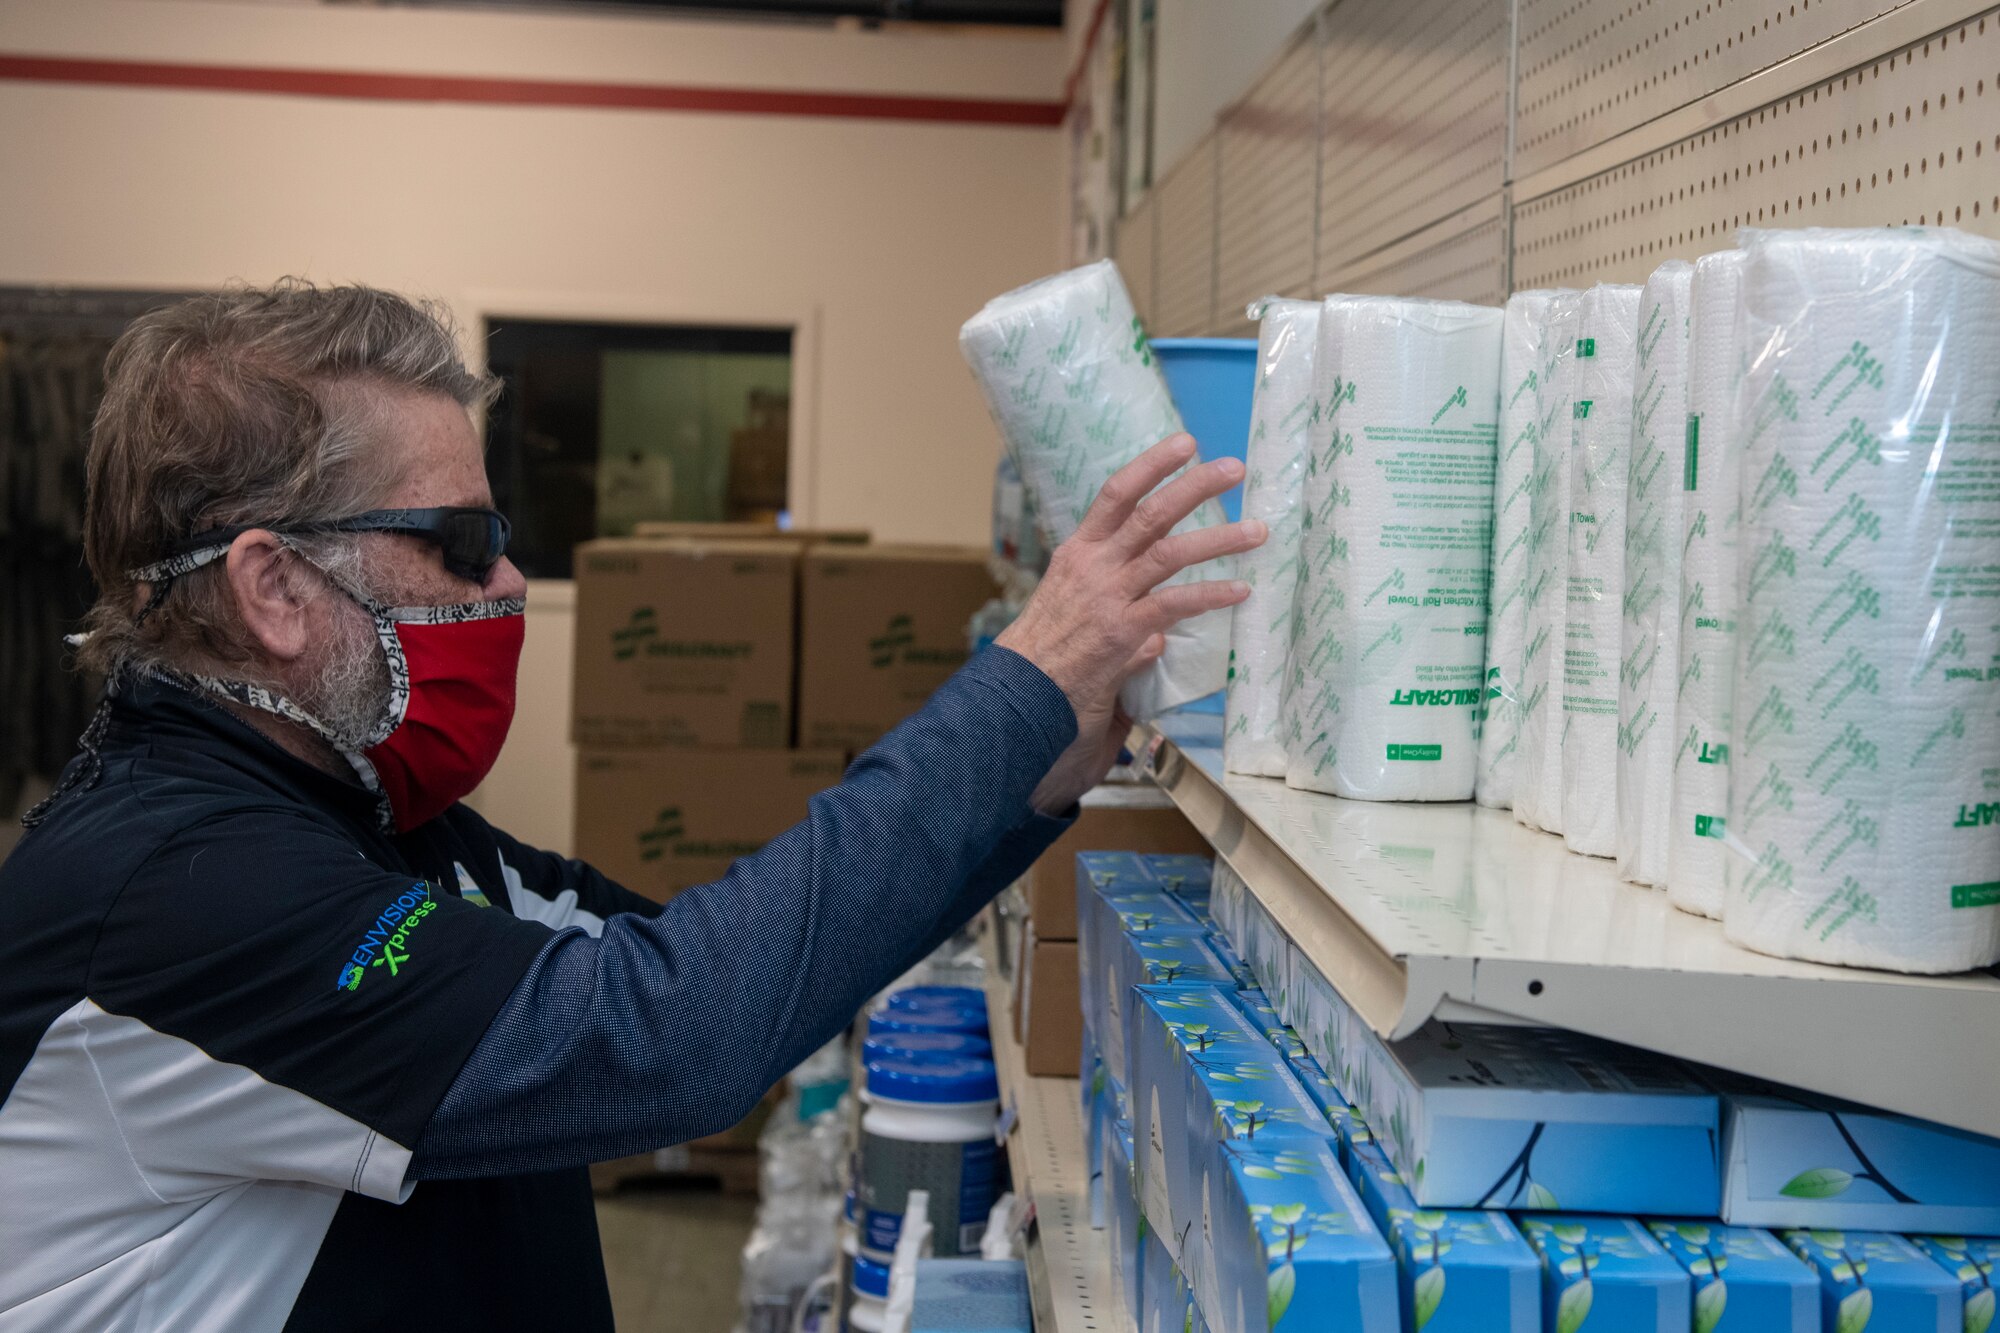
pixel 266 578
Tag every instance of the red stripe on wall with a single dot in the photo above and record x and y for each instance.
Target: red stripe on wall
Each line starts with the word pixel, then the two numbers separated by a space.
pixel 1083 57
pixel 356 85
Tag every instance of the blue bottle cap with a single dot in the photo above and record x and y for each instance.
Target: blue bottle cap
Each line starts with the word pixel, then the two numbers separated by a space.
pixel 925 1045
pixel 925 1020
pixel 871 1278
pixel 939 997
pixel 934 1081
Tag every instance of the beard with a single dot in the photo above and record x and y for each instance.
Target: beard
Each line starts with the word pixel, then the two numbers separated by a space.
pixel 349 690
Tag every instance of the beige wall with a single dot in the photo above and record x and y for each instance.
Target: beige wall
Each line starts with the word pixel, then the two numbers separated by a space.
pixel 876 238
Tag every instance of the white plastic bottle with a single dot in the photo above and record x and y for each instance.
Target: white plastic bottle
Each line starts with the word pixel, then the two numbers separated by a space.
pixel 869 1309
pixel 928 1126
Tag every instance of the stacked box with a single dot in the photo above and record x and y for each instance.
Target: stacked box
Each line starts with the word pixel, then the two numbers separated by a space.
pixel 1973 1261
pixel 1167 957
pixel 1745 1281
pixel 1607 1273
pixel 1102 880
pixel 1281 1230
pixel 1202 1073
pixel 1457 1269
pixel 1482 1115
pixel 1166 1303
pixel 1124 1225
pixel 1879 1282
pixel 1798 1159
pixel 1129 816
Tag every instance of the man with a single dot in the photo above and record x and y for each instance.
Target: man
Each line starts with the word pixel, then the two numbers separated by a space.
pixel 289 1038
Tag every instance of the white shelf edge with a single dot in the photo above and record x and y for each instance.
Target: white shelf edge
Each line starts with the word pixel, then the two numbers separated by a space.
pixel 1923 1046
pixel 1070 1280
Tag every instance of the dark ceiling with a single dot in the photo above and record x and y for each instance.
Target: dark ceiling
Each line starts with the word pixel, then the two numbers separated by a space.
pixel 1020 13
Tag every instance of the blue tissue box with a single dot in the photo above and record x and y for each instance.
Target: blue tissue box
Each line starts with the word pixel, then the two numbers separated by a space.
pixel 1879 1282
pixel 1797 1159
pixel 1115 893
pixel 1745 1280
pixel 1606 1275
pixel 1281 1231
pixel 1158 957
pixel 1266 950
pixel 1166 1304
pixel 1124 1225
pixel 1975 1262
pixel 1459 1269
pixel 1484 1116
pixel 1202 1073
pixel 1182 874
pixel 971 1296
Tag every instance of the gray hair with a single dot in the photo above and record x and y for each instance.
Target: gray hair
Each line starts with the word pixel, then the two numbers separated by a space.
pixel 252 405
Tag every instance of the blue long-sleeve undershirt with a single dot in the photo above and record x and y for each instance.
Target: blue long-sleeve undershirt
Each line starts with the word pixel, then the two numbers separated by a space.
pixel 669 1027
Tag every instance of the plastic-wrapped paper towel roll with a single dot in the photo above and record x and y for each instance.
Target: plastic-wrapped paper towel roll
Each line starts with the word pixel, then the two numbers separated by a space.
pixel 1710 481
pixel 1402 591
pixel 1650 646
pixel 1538 767
pixel 1306 705
pixel 1606 358
pixel 1865 739
pixel 1507 595
pixel 1260 637
pixel 1077 395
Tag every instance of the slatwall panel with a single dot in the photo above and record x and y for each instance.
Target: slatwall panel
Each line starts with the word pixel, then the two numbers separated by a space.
pixel 1184 297
pixel 1269 146
pixel 1462 258
pixel 1911 137
pixel 1592 69
pixel 1132 245
pixel 1414 118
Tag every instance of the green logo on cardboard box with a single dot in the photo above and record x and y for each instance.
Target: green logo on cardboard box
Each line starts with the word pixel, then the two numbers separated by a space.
pixel 898 643
pixel 629 639
pixel 642 636
pixel 654 841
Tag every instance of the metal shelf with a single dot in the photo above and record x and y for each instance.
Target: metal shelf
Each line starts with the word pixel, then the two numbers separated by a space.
pixel 1069 1264
pixel 1457 911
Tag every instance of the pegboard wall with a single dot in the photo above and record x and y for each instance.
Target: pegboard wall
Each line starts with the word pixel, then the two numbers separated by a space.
pixel 1382 151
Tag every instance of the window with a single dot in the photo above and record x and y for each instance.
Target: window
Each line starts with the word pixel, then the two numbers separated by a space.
pixel 600 427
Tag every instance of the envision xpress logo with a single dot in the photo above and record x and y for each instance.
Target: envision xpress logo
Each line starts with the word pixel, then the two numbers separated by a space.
pixel 640 637
pixel 387 942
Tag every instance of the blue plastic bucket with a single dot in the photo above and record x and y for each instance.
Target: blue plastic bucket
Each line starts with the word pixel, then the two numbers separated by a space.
pixel 1211 380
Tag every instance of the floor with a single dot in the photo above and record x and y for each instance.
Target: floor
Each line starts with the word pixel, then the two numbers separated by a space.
pixel 672 1256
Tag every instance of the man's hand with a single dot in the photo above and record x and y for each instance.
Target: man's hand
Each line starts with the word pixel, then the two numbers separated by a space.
pixel 1100 613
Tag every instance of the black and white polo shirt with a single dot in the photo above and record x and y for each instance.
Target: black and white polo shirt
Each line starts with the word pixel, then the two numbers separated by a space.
pixel 228 1006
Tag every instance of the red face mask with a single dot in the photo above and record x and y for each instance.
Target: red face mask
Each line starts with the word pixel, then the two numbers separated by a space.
pixel 451 700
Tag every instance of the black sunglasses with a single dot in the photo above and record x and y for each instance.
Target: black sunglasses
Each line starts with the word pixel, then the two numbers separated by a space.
pixel 472 540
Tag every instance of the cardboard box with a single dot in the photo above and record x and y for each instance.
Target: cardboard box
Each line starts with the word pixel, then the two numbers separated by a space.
pixel 1282 1230
pixel 658 821
pixel 655 530
pixel 684 643
pixel 1878 1281
pixel 1744 1280
pixel 1483 1115
pixel 880 628
pixel 1048 1014
pixel 1116 817
pixel 1798 1159
pixel 1608 1272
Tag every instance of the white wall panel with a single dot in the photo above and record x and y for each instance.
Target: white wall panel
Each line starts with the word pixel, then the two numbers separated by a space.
pixel 1133 247
pixel 1268 210
pixel 1590 70
pixel 1909 137
pixel 1184 294
pixel 1461 258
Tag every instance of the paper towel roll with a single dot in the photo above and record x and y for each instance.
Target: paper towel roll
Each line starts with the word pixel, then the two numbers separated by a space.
pixel 1710 481
pixel 1650 642
pixel 1074 389
pixel 1606 355
pixel 1507 586
pixel 1865 739
pixel 1538 767
pixel 1260 638
pixel 1401 594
